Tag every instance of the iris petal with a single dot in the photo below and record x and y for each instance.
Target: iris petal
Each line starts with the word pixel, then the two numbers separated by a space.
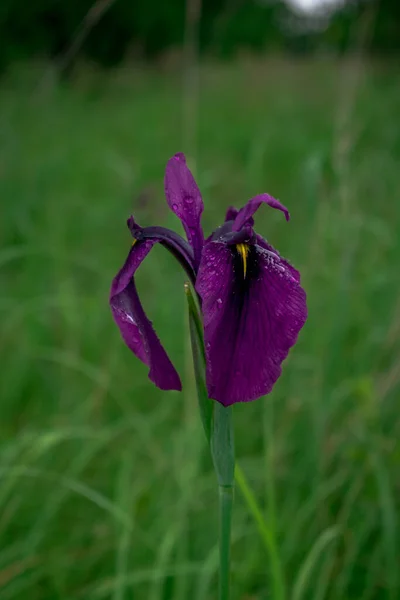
pixel 250 323
pixel 135 327
pixel 184 199
pixel 231 213
pixel 246 213
pixel 173 242
pixel 264 244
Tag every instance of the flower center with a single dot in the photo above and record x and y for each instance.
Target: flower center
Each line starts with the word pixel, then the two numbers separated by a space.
pixel 243 250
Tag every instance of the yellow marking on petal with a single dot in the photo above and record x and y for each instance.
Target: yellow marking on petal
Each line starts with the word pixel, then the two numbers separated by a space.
pixel 243 250
pixel 134 242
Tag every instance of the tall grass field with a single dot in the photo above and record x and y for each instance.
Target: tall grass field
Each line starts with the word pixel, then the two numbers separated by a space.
pixel 107 490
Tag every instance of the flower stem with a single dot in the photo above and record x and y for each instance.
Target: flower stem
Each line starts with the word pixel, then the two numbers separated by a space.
pixel 223 455
pixel 225 521
pixel 218 427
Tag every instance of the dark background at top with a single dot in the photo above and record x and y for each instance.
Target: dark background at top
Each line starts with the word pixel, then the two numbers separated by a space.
pixel 122 29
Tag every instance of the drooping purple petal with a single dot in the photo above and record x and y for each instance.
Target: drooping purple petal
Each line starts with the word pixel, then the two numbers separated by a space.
pixel 250 322
pixel 184 199
pixel 171 240
pixel 136 329
pixel 246 213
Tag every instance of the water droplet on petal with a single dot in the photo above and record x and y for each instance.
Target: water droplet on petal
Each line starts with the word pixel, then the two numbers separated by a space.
pixel 174 207
pixel 219 300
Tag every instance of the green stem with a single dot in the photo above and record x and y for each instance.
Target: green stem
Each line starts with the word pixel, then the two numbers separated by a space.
pixel 222 450
pixel 225 521
pixel 218 427
pixel 199 361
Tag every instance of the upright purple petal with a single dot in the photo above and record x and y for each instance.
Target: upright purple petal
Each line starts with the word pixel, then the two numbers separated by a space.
pixel 136 329
pixel 250 322
pixel 231 213
pixel 246 213
pixel 184 199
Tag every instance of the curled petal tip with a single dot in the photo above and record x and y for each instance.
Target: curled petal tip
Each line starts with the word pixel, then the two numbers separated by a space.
pixel 180 157
pixel 246 213
pixel 132 225
pixel 274 203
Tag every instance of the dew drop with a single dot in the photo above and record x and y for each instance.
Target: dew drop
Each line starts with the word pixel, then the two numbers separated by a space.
pixel 174 207
pixel 219 300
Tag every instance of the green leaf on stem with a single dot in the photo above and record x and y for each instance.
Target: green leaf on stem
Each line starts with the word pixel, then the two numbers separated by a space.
pixel 199 361
pixel 222 446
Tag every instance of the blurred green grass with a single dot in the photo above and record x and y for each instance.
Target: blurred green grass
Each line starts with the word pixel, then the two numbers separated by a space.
pixel 107 490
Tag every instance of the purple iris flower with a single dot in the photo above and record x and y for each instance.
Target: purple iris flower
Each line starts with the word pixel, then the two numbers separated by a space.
pixel 252 303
